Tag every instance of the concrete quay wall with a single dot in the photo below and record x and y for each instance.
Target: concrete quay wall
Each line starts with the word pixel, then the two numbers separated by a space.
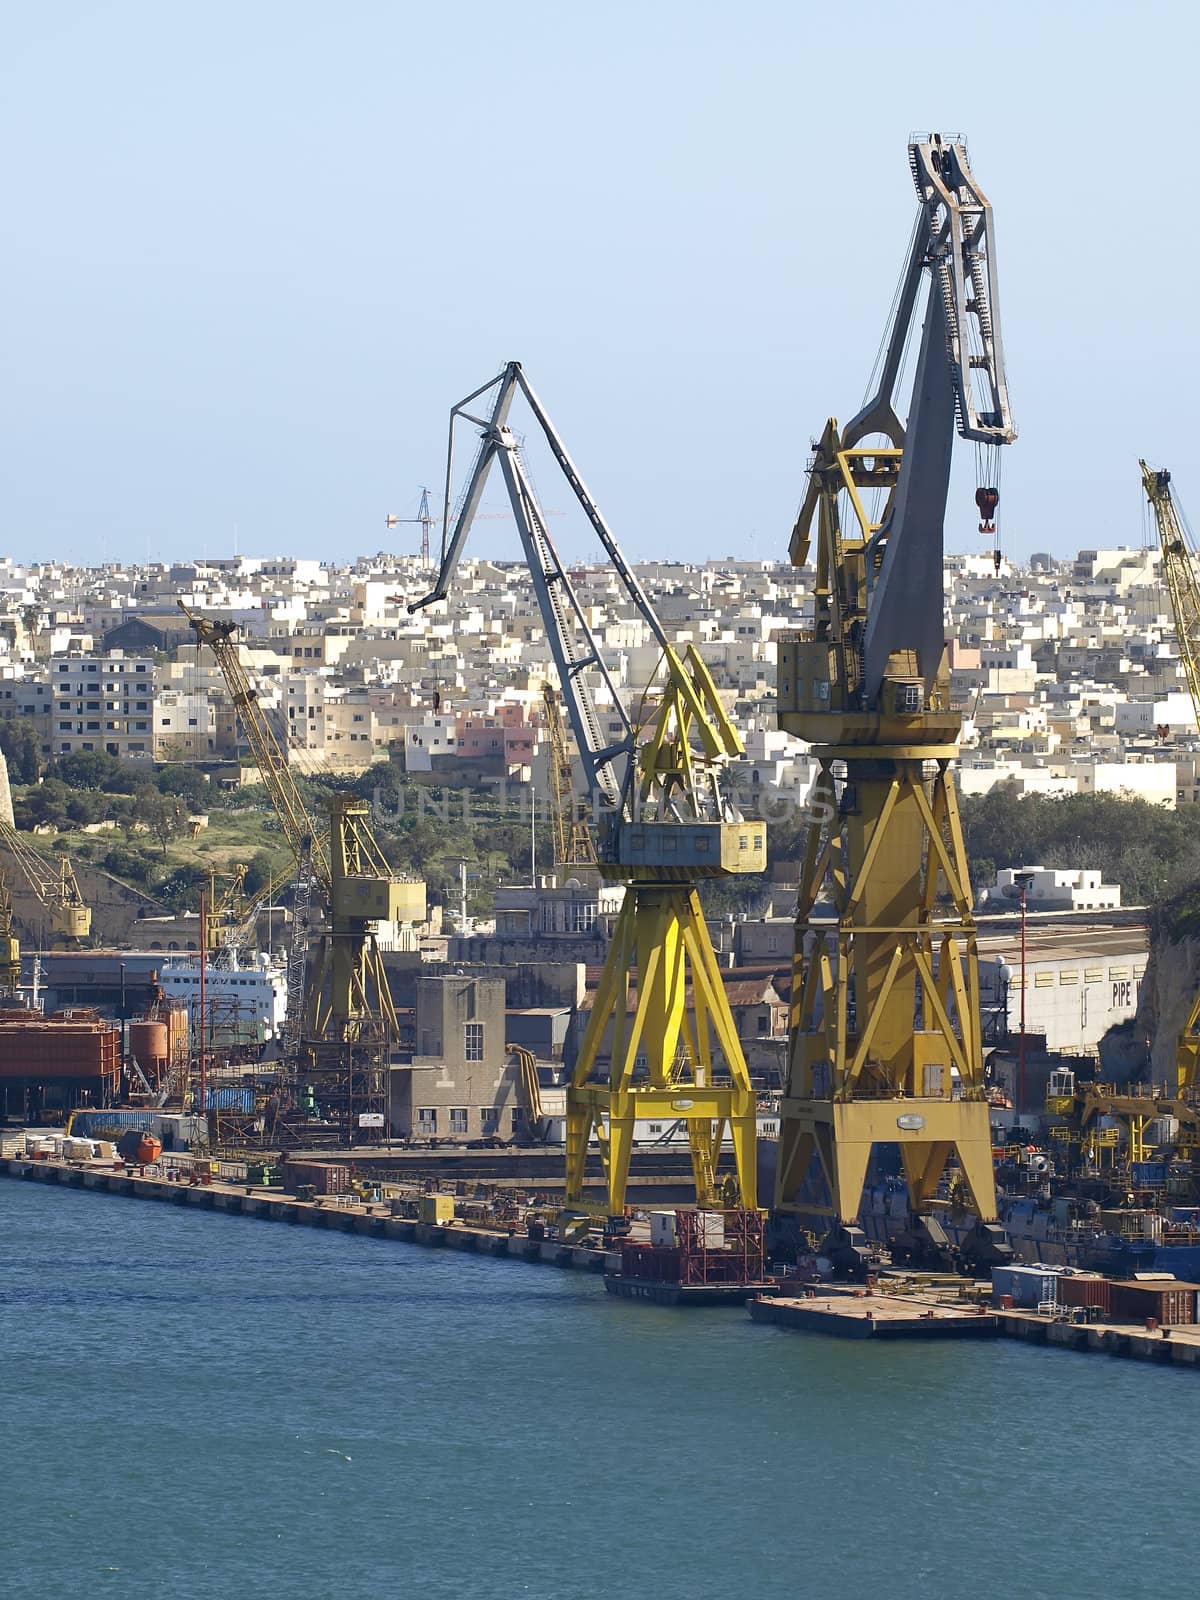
pixel 375 1222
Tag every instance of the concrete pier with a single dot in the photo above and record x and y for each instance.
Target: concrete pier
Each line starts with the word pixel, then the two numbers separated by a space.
pixel 269 1205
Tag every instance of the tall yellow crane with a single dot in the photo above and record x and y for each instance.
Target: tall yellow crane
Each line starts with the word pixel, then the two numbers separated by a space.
pixel 1179 570
pixel 348 1000
pixel 885 1040
pixel 665 825
pixel 573 842
pixel 10 949
pixel 53 883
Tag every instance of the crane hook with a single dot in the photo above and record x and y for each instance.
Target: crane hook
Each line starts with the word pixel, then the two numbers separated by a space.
pixel 987 500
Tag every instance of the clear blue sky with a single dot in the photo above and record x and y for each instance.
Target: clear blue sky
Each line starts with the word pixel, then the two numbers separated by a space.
pixel 253 252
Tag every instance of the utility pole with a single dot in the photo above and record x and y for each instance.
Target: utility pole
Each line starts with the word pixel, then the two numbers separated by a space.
pixel 1022 880
pixel 463 927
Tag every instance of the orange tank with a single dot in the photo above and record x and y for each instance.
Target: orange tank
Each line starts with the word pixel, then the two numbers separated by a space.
pixel 149 1046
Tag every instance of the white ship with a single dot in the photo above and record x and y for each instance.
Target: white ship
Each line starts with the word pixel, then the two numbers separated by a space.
pixel 245 1004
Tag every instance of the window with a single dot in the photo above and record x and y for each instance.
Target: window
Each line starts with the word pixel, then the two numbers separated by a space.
pixel 426 1120
pixel 489 1121
pixel 458 1119
pixel 472 1041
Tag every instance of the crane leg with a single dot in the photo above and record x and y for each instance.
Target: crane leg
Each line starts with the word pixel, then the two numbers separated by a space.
pixel 662 1017
pixel 886 1036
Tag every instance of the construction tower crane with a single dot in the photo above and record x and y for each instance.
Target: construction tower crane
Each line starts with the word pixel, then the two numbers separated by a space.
pixel 885 1031
pixel 53 883
pixel 665 824
pixel 1179 569
pixel 348 996
pixel 573 842
pixel 424 519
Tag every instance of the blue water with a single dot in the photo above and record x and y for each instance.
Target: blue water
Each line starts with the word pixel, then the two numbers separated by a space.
pixel 199 1405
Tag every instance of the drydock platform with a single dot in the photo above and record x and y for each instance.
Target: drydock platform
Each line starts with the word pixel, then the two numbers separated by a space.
pixel 864 1314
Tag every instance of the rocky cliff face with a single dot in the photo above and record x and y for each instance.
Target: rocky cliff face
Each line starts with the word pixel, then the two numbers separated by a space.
pixel 6 810
pixel 1168 990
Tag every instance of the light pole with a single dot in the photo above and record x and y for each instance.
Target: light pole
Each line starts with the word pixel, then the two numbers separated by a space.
pixel 1022 880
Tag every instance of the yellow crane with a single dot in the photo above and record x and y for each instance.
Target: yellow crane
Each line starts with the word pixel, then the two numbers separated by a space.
pixel 1179 571
pixel 573 842
pixel 885 1042
pixel 225 912
pixel 661 1013
pixel 10 949
pixel 348 999
pixel 53 883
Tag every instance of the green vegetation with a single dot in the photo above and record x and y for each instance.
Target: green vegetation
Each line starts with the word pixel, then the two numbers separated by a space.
pixel 1152 853
pixel 149 842
pixel 427 829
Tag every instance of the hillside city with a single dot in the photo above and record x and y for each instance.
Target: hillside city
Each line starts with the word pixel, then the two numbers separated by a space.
pixel 1067 672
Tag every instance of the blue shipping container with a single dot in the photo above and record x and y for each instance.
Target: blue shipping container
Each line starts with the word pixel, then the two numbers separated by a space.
pixel 1028 1286
pixel 228 1097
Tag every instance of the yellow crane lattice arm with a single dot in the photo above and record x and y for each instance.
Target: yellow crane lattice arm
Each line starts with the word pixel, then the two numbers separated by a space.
pixel 1179 569
pixel 54 883
pixel 294 816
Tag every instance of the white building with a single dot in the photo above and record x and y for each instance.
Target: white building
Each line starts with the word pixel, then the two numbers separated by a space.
pixel 103 704
pixel 1055 889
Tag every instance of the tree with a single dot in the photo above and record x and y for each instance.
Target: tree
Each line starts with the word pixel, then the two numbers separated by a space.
pixel 188 784
pixel 258 874
pixel 159 814
pixel 129 864
pixel 22 752
pixel 90 769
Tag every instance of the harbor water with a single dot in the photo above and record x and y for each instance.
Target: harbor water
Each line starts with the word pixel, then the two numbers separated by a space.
pixel 201 1406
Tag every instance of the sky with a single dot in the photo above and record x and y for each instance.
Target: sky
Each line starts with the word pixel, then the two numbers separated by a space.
pixel 254 251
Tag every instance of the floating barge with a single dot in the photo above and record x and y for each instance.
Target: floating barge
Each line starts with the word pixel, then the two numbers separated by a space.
pixel 695 1258
pixel 874 1316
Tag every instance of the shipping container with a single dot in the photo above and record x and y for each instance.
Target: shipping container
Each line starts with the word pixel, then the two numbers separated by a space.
pixel 324 1177
pixel 1029 1287
pixel 1085 1289
pixel 1170 1301
pixel 229 1097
